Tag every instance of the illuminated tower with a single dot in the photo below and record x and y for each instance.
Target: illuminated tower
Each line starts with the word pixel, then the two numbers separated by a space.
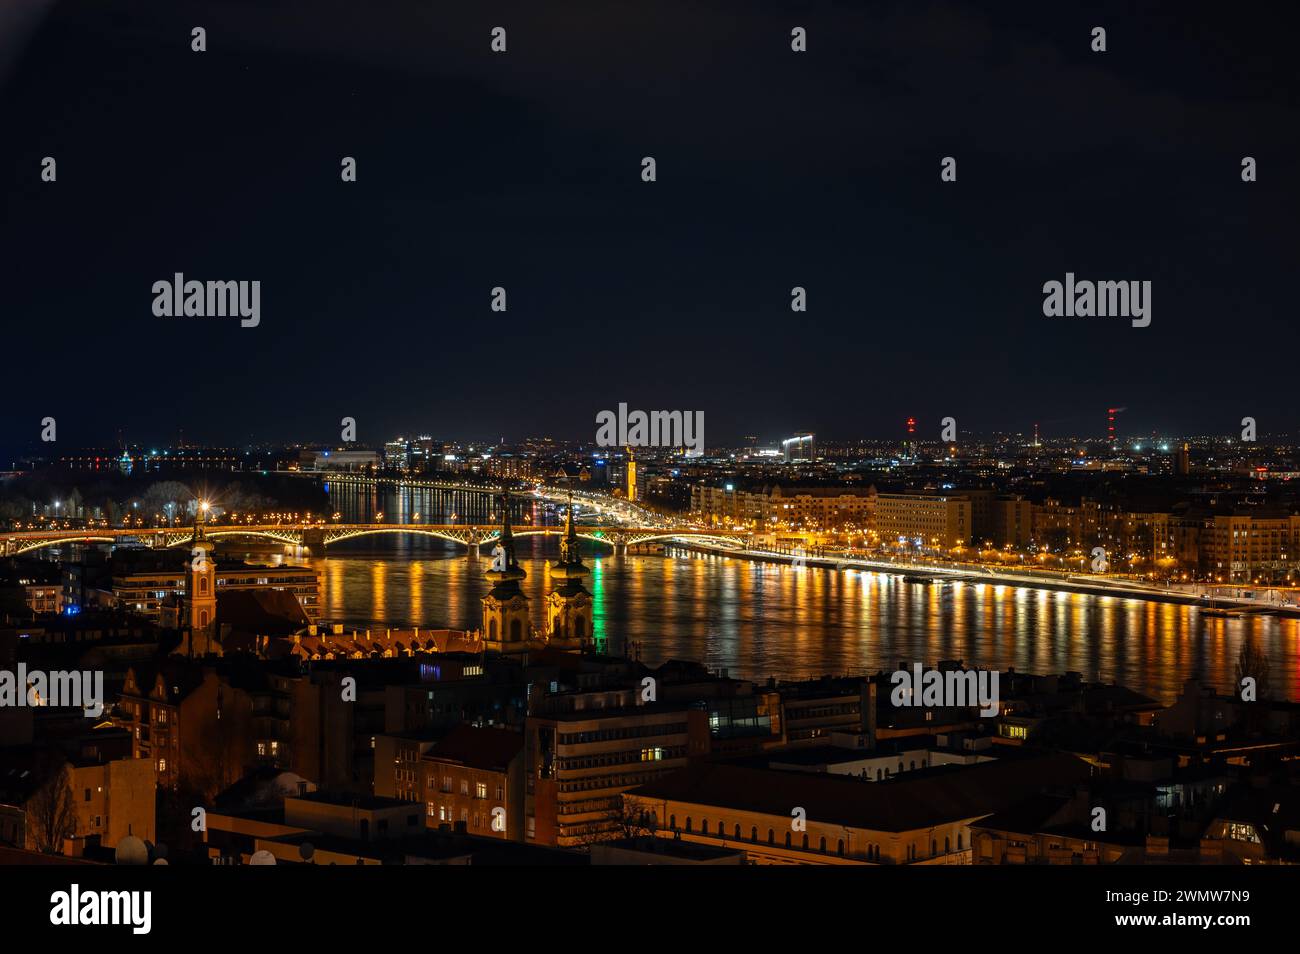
pixel 506 626
pixel 1111 414
pixel 201 589
pixel 568 608
pixel 631 475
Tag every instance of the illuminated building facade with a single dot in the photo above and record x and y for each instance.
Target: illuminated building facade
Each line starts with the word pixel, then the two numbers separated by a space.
pixel 924 520
pixel 578 764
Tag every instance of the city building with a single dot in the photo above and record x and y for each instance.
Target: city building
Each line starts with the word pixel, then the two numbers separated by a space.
pixel 578 764
pixel 146 582
pixel 347 461
pixel 801 447
pixel 921 817
pixel 475 776
pixel 924 521
pixel 39 583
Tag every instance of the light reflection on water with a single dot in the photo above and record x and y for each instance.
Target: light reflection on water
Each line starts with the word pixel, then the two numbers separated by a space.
pixel 756 620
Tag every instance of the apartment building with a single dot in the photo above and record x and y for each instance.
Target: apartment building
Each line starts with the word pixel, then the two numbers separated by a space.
pixel 578 764
pixel 820 507
pixel 474 777
pixel 144 590
pixel 924 520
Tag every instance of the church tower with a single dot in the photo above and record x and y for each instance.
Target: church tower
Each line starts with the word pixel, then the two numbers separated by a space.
pixel 568 608
pixel 506 625
pixel 200 611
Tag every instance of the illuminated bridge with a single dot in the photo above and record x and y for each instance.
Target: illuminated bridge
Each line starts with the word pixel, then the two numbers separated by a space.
pixel 318 536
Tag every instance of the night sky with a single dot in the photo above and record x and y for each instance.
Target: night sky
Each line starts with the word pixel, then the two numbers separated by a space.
pixel 522 169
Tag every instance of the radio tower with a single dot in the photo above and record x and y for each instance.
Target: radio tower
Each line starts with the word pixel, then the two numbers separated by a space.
pixel 1111 412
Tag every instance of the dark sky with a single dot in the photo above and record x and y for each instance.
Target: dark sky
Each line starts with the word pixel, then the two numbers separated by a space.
pixel 775 169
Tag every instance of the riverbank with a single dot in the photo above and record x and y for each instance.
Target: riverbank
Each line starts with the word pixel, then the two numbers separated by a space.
pixel 1210 605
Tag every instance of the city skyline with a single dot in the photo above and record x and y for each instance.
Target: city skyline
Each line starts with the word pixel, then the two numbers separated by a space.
pixel 1124 438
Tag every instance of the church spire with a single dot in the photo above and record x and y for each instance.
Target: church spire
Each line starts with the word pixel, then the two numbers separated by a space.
pixel 506 625
pixel 569 605
pixel 569 566
pixel 504 567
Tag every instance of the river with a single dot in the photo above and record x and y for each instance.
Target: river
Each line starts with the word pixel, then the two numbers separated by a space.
pixel 757 620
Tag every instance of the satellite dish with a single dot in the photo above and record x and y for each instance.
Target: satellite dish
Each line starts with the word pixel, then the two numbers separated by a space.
pixel 262 857
pixel 131 850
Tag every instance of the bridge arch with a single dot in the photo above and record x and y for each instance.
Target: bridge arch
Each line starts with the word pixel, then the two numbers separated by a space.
pixel 681 537
pixel 291 537
pixel 27 546
pixel 464 537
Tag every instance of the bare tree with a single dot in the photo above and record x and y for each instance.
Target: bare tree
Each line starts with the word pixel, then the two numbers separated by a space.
pixel 1252 663
pixel 634 820
pixel 51 813
pixel 626 820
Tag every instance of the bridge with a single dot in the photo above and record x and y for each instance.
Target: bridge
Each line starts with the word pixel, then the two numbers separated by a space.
pixel 317 536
